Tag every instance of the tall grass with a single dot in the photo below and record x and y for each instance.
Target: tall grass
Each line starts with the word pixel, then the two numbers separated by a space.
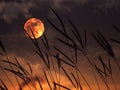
pixel 55 64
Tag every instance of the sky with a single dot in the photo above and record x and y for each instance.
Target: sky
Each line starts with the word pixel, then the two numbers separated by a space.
pixel 91 15
pixel 85 14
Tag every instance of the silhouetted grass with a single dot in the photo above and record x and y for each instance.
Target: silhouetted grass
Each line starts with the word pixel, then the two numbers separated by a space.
pixel 3 86
pixel 56 84
pixel 76 46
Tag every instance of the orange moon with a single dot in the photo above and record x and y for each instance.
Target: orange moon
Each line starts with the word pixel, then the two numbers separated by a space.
pixel 34 28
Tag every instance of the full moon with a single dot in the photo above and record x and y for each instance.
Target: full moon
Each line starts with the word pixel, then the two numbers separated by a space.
pixel 34 28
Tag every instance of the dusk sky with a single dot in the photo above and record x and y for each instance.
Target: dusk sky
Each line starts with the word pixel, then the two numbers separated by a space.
pixel 89 15
pixel 85 14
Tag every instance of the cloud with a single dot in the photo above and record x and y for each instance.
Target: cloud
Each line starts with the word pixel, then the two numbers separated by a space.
pixel 11 10
pixel 103 5
pixel 108 4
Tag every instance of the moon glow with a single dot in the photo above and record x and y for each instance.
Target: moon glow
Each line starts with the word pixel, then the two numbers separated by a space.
pixel 34 28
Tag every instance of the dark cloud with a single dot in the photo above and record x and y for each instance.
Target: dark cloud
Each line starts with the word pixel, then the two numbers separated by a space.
pixel 11 9
pixel 103 4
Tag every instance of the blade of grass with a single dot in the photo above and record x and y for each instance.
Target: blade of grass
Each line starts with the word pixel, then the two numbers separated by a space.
pixel 60 20
pixel 60 59
pixel 47 80
pixel 4 85
pixel 76 33
pixel 74 79
pixel 68 77
pixel 2 47
pixel 62 86
pixel 64 55
pixel 116 41
pixel 30 68
pixel 116 28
